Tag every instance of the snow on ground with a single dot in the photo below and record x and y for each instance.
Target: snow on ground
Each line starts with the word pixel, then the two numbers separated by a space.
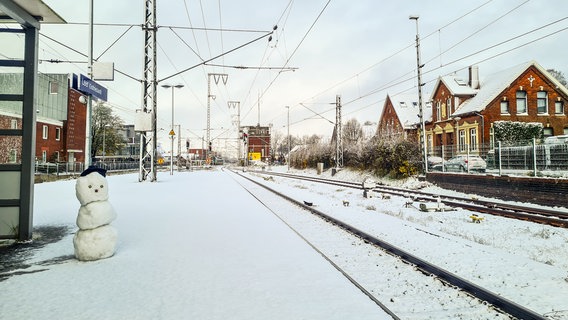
pixel 195 245
pixel 525 262
pixel 191 246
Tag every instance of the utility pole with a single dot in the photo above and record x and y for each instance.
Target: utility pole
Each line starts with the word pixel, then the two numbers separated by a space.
pixel 338 134
pixel 216 77
pixel 237 104
pixel 88 122
pixel 148 139
pixel 179 143
pixel 420 107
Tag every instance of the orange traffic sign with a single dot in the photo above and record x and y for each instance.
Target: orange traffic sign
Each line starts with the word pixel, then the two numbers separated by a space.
pixel 172 133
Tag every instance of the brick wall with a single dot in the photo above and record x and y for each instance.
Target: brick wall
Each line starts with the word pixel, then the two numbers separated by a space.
pixel 544 191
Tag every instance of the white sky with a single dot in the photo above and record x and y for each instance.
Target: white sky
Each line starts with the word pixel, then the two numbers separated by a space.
pixel 360 50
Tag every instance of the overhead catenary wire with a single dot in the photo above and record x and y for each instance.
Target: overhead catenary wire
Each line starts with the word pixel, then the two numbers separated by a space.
pixel 382 88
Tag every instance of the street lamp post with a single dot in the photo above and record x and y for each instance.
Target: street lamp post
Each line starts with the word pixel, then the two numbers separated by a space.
pixel 420 107
pixel 172 132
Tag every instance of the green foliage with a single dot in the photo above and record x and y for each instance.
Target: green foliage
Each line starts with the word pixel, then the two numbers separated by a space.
pixel 511 132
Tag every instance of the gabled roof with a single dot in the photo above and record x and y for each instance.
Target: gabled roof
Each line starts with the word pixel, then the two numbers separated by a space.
pixel 457 86
pixel 406 107
pixel 496 83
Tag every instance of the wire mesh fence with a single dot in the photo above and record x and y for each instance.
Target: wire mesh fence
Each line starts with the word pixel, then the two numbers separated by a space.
pixel 526 157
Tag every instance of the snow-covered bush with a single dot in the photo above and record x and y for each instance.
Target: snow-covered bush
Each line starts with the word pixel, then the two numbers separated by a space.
pixel 397 159
pixel 513 132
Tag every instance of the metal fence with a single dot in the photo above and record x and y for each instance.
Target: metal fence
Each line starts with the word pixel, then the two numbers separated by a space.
pixel 73 168
pixel 527 157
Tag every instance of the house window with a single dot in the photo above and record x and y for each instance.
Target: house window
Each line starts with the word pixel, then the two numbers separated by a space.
pixel 504 107
pixel 521 102
pixel 13 156
pixel 57 134
pixel 547 132
pixel 449 107
pixel 472 139
pixel 565 130
pixel 44 156
pixel 438 111
pixel 559 107
pixel 56 156
pixel 430 144
pixel 45 131
pixel 491 138
pixel 461 141
pixel 14 124
pixel 542 102
pixel 53 87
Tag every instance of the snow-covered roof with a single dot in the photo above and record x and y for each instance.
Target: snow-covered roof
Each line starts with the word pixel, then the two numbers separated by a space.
pixel 457 85
pixel 407 111
pixel 495 84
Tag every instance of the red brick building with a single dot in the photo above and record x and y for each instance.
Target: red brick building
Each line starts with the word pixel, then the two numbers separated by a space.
pixel 257 143
pixel 463 112
pixel 60 121
pixel 400 117
pixel 75 128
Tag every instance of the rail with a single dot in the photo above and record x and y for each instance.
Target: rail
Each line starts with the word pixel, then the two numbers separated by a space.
pixel 481 293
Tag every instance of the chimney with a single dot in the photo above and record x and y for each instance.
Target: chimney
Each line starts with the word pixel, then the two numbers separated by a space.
pixel 474 77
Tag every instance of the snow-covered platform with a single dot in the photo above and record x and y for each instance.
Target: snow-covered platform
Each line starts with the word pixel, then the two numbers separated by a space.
pixel 191 246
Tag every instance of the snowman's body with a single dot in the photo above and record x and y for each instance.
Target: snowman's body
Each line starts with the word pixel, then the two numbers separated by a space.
pixel 96 238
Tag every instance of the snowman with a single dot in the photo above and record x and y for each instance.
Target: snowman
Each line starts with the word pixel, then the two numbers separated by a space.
pixel 96 238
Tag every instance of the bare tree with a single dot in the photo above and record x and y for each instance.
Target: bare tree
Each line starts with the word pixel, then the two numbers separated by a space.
pixel 558 75
pixel 105 129
pixel 352 132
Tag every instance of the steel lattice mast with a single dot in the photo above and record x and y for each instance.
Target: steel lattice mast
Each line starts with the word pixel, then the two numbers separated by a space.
pixel 148 139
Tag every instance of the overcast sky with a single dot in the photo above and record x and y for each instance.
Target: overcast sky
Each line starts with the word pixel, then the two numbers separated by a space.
pixel 361 50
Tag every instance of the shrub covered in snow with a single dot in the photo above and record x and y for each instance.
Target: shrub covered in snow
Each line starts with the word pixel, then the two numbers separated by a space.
pixel 513 132
pixel 396 159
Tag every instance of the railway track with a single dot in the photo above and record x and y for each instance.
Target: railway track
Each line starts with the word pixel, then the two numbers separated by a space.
pixel 495 300
pixel 545 216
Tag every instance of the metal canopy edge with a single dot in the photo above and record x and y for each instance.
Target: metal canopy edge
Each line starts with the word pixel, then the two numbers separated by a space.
pixel 28 12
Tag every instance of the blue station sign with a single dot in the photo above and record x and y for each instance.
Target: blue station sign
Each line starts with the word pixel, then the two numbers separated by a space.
pixel 90 87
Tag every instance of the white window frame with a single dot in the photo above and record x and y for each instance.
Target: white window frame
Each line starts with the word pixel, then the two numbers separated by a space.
pixel 505 103
pixel 57 133
pixel 461 140
pixel 559 107
pixel 45 132
pixel 13 124
pixel 522 101
pixel 44 156
pixel 449 107
pixel 53 87
pixel 438 111
pixel 541 102
pixel 472 139
pixel 547 132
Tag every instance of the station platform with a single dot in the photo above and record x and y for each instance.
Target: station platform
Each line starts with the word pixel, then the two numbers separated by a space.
pixel 193 245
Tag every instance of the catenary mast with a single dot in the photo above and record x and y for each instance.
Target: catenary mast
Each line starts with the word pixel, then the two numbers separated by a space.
pixel 148 139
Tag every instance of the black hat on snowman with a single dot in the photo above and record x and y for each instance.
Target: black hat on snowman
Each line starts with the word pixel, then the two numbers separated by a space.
pixel 92 169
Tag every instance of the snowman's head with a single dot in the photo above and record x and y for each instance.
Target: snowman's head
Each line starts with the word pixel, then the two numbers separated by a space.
pixel 91 187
